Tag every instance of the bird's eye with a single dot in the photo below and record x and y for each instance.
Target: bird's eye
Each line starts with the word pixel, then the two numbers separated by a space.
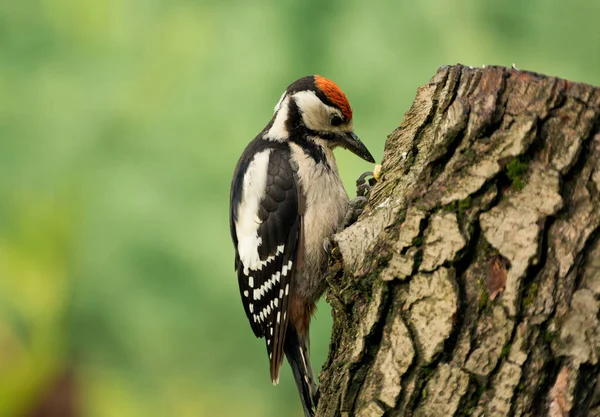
pixel 336 120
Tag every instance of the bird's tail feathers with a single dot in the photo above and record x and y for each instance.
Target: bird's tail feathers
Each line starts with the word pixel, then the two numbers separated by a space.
pixel 297 353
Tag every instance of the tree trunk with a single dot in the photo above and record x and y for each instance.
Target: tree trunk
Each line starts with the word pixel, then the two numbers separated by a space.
pixel 471 283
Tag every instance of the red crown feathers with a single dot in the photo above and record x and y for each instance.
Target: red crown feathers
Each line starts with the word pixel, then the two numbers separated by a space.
pixel 334 94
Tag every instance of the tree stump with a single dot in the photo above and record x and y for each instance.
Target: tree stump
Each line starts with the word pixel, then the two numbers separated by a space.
pixel 470 286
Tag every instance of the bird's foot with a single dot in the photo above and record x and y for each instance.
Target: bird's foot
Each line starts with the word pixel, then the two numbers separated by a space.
pixel 363 186
pixel 355 209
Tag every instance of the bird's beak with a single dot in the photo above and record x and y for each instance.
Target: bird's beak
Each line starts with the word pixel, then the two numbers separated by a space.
pixel 351 142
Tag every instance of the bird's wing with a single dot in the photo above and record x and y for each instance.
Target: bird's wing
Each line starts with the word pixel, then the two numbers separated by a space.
pixel 266 225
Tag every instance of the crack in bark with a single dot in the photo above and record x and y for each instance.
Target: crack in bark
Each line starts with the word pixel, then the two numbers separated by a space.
pixel 470 400
pixel 410 373
pixel 462 263
pixel 372 343
pixel 584 389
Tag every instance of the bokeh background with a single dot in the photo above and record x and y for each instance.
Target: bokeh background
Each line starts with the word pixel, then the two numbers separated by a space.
pixel 120 124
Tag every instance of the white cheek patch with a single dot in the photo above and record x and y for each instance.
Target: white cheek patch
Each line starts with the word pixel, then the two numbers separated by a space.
pixel 315 113
pixel 246 227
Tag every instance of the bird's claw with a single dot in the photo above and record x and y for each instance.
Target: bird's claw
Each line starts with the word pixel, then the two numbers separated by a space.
pixel 355 209
pixel 327 245
pixel 363 187
pixel 363 177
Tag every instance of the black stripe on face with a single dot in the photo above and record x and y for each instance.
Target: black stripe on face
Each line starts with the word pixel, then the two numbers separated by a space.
pixel 331 136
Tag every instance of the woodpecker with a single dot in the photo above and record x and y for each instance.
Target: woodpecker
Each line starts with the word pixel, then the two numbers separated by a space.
pixel 286 199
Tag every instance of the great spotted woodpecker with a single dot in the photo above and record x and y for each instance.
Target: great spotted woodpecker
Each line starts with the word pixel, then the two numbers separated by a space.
pixel 286 199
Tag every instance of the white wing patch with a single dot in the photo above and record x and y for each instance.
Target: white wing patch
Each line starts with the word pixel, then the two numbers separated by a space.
pixel 246 228
pixel 271 258
pixel 258 293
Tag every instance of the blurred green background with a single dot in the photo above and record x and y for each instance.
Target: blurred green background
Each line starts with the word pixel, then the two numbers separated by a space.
pixel 120 124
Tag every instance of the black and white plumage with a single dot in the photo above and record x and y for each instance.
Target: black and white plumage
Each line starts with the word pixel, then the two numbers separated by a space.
pixel 286 198
pixel 266 231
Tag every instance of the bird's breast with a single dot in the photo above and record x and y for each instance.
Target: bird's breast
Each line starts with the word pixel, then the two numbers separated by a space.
pixel 326 204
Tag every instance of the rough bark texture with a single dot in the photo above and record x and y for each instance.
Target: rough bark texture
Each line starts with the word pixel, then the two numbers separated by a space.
pixel 471 283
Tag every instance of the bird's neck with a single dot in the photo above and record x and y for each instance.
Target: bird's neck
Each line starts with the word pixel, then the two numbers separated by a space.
pixel 316 148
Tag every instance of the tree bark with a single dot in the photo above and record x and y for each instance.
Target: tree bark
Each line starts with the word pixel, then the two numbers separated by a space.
pixel 470 285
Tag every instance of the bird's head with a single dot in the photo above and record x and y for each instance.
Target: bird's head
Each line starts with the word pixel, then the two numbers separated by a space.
pixel 315 108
